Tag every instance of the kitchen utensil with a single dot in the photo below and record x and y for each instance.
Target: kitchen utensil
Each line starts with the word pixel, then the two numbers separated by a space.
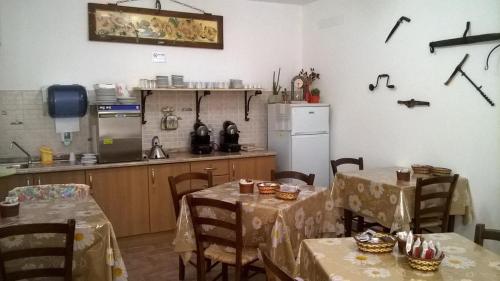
pixel 46 155
pixel 235 84
pixel 156 151
pixel 169 121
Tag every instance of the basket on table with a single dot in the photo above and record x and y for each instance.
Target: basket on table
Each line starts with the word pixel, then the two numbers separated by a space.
pixel 424 264
pixel 268 187
pixel 287 195
pixel 384 246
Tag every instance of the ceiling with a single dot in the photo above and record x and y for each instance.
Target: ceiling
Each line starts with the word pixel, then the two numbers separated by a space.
pixel 296 2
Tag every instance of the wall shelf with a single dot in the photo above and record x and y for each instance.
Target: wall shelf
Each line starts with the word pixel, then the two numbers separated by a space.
pixel 145 92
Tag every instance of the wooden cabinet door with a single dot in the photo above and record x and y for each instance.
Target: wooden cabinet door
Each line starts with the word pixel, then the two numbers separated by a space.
pixel 263 167
pixel 243 168
pixel 122 193
pixel 9 182
pixel 59 177
pixel 162 214
pixel 219 168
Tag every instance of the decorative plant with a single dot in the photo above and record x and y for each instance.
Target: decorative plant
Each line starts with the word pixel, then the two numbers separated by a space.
pixel 308 77
pixel 315 92
pixel 276 83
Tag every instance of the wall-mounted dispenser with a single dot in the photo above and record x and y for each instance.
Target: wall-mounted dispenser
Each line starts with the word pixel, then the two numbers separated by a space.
pixel 67 103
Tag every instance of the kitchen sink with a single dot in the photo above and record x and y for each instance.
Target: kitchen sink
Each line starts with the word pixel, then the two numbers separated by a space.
pixel 37 164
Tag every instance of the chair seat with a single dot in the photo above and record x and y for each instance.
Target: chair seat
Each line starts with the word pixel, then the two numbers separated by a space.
pixel 431 223
pixel 227 255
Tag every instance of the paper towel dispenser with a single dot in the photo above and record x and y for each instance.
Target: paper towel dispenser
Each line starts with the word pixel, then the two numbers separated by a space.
pixel 67 101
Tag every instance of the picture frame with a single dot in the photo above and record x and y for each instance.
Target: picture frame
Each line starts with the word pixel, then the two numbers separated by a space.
pixel 113 23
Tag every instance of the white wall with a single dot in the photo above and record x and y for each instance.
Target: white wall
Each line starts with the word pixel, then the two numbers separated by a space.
pixel 344 41
pixel 46 42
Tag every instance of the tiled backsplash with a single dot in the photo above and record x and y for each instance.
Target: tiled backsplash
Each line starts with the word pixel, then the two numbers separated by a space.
pixel 22 119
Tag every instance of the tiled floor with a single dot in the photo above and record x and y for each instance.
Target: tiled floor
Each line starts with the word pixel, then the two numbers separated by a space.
pixel 151 257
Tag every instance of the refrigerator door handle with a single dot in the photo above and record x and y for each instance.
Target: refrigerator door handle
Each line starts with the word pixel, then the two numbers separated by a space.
pixel 309 133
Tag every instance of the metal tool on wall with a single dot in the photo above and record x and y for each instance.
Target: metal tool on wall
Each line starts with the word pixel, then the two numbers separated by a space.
pixel 169 121
pixel 412 103
pixel 478 88
pixel 488 59
pixel 372 87
pixel 464 39
pixel 400 20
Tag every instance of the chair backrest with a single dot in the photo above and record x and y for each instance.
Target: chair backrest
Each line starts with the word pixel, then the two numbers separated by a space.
pixel 66 251
pixel 203 238
pixel 308 179
pixel 483 233
pixel 175 181
pixel 272 270
pixel 431 213
pixel 50 191
pixel 342 161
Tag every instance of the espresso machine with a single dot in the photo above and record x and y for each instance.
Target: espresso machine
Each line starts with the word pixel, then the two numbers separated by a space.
pixel 229 137
pixel 200 139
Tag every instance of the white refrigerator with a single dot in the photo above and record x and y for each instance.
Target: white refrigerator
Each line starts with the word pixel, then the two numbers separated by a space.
pixel 300 134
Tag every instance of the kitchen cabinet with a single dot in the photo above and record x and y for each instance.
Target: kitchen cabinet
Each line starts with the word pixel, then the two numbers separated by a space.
pixel 219 168
pixel 162 214
pixel 9 182
pixel 258 168
pixel 122 193
pixel 59 177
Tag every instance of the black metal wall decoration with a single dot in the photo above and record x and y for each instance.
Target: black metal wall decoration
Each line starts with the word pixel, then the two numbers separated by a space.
pixel 372 87
pixel 488 59
pixel 464 39
pixel 247 103
pixel 478 88
pixel 412 103
pixel 400 20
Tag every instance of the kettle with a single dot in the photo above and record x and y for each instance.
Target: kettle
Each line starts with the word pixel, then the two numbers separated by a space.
pixel 156 149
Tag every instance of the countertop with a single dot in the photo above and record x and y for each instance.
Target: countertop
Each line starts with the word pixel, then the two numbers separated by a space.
pixel 177 157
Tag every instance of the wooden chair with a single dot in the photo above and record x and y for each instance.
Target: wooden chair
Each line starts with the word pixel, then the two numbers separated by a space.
pixel 66 251
pixel 483 233
pixel 433 216
pixel 272 270
pixel 177 196
pixel 308 179
pixel 241 258
pixel 360 221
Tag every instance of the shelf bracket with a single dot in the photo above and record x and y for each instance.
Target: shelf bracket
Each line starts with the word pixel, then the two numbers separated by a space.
pixel 198 103
pixel 144 95
pixel 247 103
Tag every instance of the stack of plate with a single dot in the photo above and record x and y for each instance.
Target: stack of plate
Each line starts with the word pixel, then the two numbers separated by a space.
pixel 127 100
pixel 438 171
pixel 88 159
pixel 162 82
pixel 178 81
pixel 105 93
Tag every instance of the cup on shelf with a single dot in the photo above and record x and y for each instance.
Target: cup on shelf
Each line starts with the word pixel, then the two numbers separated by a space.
pixel 143 83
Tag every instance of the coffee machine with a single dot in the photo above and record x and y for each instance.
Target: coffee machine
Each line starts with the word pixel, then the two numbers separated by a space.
pixel 229 137
pixel 200 139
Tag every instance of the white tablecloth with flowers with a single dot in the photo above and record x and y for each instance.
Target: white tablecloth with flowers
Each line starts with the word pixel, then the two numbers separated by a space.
pixel 266 219
pixel 94 236
pixel 338 259
pixel 378 195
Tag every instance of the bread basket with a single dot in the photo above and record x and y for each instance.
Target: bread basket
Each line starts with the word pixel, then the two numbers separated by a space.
pixel 377 248
pixel 424 264
pixel 421 169
pixel 268 187
pixel 287 195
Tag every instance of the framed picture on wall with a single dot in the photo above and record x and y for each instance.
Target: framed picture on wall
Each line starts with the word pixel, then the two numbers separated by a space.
pixel 113 23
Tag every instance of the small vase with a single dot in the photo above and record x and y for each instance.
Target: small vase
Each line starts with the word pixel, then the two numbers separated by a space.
pixel 307 92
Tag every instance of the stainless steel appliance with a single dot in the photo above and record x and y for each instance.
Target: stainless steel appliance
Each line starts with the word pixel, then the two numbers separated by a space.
pixel 157 151
pixel 116 132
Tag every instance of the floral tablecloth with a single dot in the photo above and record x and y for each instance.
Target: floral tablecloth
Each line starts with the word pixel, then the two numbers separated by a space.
pixel 378 195
pixel 338 259
pixel 94 237
pixel 279 223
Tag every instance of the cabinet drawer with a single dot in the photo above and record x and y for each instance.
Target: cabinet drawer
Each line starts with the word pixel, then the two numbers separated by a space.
pixel 220 167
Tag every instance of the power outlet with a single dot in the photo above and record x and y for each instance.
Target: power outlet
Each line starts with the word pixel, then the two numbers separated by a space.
pixel 159 57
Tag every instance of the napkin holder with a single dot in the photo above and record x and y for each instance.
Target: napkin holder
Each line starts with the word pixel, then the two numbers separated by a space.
pixel 246 187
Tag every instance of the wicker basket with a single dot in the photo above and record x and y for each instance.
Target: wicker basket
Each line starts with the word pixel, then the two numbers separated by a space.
pixel 376 248
pixel 438 171
pixel 423 264
pixel 268 187
pixel 421 169
pixel 287 195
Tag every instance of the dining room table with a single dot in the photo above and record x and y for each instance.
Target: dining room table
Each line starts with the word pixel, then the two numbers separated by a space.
pixel 338 259
pixel 377 194
pixel 96 255
pixel 281 224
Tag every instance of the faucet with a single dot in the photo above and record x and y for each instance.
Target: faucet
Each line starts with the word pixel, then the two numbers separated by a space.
pixel 22 149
